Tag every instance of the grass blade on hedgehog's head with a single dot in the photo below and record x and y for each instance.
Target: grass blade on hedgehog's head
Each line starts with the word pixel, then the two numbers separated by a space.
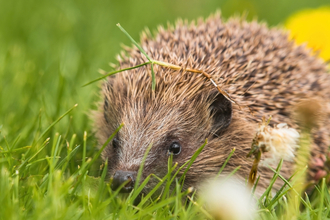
pixel 116 71
pixel 133 41
pixel 142 51
pixel 153 79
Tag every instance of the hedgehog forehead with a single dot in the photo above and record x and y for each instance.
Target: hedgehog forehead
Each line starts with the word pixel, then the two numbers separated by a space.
pixel 157 118
pixel 152 120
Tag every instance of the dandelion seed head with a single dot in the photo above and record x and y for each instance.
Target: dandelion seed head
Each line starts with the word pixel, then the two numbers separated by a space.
pixel 280 142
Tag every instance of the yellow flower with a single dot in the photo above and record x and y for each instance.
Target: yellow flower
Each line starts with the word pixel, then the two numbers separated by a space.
pixel 312 26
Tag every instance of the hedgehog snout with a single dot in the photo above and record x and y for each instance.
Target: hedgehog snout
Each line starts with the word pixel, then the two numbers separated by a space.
pixel 120 177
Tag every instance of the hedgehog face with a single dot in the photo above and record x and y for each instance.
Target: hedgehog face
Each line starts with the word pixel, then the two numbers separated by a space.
pixel 173 126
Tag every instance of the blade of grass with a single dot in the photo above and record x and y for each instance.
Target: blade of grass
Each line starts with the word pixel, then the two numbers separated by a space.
pixel 272 182
pixel 321 203
pixel 139 174
pixel 101 183
pixel 33 156
pixel 178 204
pixel 225 163
pixel 233 172
pixel 192 160
pixel 84 149
pixel 145 54
pixel 52 162
pixel 15 142
pixel 67 159
pixel 114 72
pixel 280 193
pixel 112 197
pixel 302 199
pixel 200 207
pixel 69 151
pixel 55 122
pixel 84 169
pixel 15 150
pixel 153 79
pixel 161 204
pixel 42 159
pixel 255 185
pixel 55 150
pixel 137 192
pixel 133 41
pixel 144 200
pixel 168 182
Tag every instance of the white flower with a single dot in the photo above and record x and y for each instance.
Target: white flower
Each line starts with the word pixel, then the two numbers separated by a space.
pixel 229 199
pixel 280 142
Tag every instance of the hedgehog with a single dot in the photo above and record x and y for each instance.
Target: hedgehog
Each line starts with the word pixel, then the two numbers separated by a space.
pixel 259 67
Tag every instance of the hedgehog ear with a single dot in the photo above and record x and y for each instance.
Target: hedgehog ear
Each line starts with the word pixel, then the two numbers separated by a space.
pixel 221 109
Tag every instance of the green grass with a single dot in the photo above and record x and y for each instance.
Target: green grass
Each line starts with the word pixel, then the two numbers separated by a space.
pixel 49 163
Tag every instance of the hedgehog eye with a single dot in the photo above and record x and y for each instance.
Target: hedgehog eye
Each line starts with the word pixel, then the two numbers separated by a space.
pixel 175 148
pixel 115 143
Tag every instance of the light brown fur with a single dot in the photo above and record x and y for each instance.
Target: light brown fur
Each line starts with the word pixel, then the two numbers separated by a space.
pixel 259 67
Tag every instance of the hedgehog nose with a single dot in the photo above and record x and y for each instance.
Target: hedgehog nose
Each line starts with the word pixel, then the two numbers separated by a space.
pixel 121 177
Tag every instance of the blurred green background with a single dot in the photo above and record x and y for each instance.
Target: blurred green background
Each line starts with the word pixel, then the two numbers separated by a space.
pixel 49 49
